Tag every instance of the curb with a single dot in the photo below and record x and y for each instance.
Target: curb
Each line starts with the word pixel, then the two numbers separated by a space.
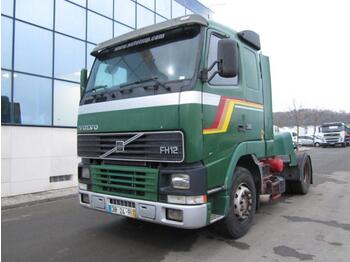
pixel 31 202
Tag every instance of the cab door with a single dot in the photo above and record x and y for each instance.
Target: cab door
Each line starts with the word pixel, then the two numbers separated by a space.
pixel 221 120
pixel 232 107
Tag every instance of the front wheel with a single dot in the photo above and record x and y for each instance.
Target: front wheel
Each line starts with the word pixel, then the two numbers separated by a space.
pixel 317 144
pixel 242 205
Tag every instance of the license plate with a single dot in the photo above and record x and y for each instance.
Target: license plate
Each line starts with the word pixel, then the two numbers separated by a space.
pixel 123 211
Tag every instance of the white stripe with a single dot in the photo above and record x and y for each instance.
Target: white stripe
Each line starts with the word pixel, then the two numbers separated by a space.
pixel 211 99
pixel 188 97
pixel 249 108
pixel 131 103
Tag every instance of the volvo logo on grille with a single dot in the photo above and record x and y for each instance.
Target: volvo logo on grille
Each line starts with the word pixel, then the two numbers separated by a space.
pixel 120 145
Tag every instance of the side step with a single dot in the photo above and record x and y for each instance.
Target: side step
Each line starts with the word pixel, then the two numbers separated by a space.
pixel 215 217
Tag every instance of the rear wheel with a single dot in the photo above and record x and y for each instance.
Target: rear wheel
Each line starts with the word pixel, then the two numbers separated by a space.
pixel 242 205
pixel 301 187
pixel 317 144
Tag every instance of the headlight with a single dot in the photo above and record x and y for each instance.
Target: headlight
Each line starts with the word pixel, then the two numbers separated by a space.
pixel 187 200
pixel 180 181
pixel 85 173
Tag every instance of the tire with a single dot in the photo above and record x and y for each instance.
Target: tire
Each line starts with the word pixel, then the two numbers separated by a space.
pixel 343 144
pixel 237 225
pixel 305 170
pixel 317 144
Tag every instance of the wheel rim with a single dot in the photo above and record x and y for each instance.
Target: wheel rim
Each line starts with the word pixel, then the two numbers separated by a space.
pixel 242 202
pixel 307 172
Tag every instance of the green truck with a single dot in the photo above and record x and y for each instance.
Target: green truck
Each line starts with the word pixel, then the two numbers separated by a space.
pixel 175 127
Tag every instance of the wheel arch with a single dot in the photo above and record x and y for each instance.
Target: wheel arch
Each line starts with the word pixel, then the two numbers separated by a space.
pixel 246 155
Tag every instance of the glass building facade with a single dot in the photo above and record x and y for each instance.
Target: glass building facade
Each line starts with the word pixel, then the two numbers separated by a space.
pixel 45 43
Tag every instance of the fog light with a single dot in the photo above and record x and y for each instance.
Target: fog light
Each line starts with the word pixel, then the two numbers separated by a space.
pixel 180 181
pixel 85 172
pixel 82 186
pixel 85 198
pixel 174 214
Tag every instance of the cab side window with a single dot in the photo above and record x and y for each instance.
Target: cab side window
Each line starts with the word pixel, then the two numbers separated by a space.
pixel 251 69
pixel 212 56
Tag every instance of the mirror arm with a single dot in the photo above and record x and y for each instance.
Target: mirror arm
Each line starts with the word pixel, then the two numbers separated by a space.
pixel 204 72
pixel 213 75
pixel 212 65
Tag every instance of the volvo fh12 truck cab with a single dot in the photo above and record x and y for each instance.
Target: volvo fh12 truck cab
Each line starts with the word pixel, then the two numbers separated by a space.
pixel 175 127
pixel 334 133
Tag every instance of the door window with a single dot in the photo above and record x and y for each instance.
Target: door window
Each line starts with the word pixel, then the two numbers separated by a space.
pixel 212 57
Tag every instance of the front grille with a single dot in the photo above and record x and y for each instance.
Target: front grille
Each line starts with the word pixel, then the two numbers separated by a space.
pixel 125 181
pixel 153 147
pixel 332 137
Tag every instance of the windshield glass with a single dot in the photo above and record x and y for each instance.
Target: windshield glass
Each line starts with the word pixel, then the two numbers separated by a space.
pixel 169 56
pixel 332 128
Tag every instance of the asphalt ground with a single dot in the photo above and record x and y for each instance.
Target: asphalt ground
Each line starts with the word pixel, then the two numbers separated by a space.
pixel 315 227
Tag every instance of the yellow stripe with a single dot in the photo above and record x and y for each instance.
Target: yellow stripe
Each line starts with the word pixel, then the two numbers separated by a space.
pixel 226 117
pixel 249 104
pixel 223 126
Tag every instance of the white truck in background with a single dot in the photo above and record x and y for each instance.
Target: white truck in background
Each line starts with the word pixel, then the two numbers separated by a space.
pixel 334 133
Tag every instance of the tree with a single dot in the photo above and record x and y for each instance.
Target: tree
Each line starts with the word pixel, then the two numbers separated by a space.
pixel 297 115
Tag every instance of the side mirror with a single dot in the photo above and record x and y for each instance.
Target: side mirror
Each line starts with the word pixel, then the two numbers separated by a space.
pixel 83 81
pixel 227 58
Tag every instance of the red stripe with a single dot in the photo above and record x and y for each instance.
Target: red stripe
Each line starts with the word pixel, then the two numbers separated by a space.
pixel 219 113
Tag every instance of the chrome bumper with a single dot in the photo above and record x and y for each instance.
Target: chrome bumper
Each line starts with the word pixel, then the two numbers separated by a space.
pixel 194 216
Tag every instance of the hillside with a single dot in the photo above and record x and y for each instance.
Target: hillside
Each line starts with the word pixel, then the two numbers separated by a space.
pixel 309 117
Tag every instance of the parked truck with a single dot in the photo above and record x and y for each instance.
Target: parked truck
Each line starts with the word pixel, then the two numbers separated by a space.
pixel 175 127
pixel 334 133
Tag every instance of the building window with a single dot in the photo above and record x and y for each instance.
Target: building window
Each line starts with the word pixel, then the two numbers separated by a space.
pixel 6 96
pixel 144 17
pixel 147 3
pixel 80 2
pixel 7 7
pixel 69 57
pixel 42 16
pixel 90 58
pixel 212 56
pixel 53 42
pixel 188 12
pixel 163 7
pixel 33 49
pixel 104 7
pixel 177 9
pixel 160 19
pixel 66 103
pixel 124 12
pixel 6 42
pixel 120 29
pixel 70 19
pixel 99 28
pixel 32 100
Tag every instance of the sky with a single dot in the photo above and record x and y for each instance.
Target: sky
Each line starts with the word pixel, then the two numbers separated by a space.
pixel 308 42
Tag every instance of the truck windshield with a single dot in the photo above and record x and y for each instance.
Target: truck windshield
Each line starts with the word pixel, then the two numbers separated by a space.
pixel 166 57
pixel 332 128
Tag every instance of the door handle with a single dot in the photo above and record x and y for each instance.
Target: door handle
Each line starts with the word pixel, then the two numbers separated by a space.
pixel 245 127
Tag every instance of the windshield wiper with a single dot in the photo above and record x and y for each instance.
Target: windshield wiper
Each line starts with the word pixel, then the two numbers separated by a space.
pixel 94 89
pixel 140 81
pixel 158 83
